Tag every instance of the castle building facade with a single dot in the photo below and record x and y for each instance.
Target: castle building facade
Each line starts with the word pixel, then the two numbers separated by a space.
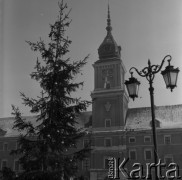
pixel 114 130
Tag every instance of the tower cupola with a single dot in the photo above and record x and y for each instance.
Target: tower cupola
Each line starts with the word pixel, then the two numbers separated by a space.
pixel 109 48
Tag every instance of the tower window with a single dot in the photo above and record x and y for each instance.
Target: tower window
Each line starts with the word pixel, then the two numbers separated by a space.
pixel 107 76
pixel 107 85
pixel 167 139
pixel 108 123
pixel 108 142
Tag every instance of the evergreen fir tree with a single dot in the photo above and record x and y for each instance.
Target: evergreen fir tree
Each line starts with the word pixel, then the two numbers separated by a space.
pixel 7 174
pixel 48 148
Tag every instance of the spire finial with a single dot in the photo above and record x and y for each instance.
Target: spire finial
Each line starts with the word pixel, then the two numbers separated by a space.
pixel 108 28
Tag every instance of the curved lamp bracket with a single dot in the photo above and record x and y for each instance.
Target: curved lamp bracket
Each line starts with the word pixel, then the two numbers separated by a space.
pixel 150 71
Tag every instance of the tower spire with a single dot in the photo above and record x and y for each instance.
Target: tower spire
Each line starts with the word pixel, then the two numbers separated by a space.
pixel 109 48
pixel 108 28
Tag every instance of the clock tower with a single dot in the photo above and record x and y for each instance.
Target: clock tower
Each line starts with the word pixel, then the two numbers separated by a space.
pixel 110 101
pixel 110 104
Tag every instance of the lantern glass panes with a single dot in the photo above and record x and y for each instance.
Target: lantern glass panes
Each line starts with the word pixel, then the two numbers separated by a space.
pixel 170 76
pixel 132 86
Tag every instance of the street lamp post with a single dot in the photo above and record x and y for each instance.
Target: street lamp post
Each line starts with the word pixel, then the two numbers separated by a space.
pixel 170 75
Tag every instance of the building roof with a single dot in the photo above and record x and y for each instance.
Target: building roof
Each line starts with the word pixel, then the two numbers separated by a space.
pixel 6 124
pixel 167 117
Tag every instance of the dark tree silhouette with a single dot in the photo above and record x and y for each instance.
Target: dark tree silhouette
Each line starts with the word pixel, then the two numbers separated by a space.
pixel 48 147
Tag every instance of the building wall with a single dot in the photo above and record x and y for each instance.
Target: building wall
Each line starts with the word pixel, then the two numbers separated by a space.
pixel 172 149
pixel 120 148
pixel 7 144
pixel 114 113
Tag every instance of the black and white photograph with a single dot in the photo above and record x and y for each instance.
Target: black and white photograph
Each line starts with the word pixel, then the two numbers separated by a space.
pixel 90 89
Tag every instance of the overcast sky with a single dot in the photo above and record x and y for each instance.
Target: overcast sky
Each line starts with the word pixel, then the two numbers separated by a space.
pixel 145 29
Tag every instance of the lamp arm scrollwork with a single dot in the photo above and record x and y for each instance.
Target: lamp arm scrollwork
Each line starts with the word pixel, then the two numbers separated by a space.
pixel 150 70
pixel 158 68
pixel 139 72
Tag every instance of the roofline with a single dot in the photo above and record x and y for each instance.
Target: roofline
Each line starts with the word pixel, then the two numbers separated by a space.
pixel 164 106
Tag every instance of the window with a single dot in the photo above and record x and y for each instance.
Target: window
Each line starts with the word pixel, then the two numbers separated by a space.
pixel 85 143
pixel 16 165
pixel 89 123
pixel 168 159
pixel 17 145
pixel 20 167
pixel 167 139
pixel 132 154
pixel 123 140
pixel 92 142
pixel 108 142
pixel 1 145
pixel 132 139
pixel 108 123
pixel 86 164
pixel 107 85
pixel 152 174
pixel 5 146
pixel 147 139
pixel 148 154
pixel 3 164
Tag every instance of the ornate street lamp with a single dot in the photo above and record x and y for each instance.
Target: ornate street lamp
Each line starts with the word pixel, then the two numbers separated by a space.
pixel 170 76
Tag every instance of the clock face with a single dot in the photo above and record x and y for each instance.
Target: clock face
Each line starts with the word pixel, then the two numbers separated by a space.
pixel 107 76
pixel 107 72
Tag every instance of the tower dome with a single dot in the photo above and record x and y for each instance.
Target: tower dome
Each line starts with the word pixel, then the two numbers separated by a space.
pixel 109 48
